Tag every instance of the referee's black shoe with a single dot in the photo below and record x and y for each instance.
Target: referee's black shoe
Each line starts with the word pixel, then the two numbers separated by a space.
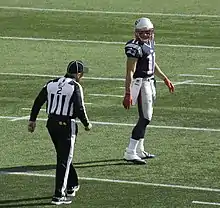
pixel 61 200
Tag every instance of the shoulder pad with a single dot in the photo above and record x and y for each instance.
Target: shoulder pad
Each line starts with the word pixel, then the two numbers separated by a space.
pixel 133 49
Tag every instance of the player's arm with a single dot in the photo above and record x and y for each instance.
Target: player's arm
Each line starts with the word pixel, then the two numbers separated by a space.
pixel 130 69
pixel 39 101
pixel 133 51
pixel 158 72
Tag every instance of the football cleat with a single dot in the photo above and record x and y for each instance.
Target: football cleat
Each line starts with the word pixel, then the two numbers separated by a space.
pixel 61 200
pixel 129 157
pixel 145 155
pixel 72 191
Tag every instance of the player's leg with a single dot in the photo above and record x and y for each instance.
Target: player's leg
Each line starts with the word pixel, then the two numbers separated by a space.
pixel 145 108
pixel 138 131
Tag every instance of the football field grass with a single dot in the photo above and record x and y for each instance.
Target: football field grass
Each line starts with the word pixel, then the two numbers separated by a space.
pixel 37 44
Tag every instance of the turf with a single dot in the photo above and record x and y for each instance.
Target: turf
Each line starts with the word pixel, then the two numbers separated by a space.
pixel 187 157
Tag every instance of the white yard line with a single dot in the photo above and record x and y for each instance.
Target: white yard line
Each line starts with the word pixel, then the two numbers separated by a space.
pixel 126 124
pixel 117 181
pixel 20 118
pixel 106 95
pixel 105 78
pixel 206 203
pixel 60 40
pixel 108 12
pixel 213 68
pixel 204 84
pixel 101 78
pixel 183 82
pixel 55 76
pixel 102 42
pixel 175 83
pixel 195 75
pixel 29 75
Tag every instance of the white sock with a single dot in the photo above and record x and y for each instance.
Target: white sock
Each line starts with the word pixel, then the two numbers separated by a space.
pixel 140 146
pixel 133 144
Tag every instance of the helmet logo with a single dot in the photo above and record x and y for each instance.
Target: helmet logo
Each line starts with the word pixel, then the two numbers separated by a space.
pixel 137 21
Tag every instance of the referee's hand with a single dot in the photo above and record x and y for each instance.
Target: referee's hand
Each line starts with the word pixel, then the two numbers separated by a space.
pixel 87 128
pixel 31 126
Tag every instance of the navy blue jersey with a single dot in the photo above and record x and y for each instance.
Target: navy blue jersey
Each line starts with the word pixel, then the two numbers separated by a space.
pixel 146 57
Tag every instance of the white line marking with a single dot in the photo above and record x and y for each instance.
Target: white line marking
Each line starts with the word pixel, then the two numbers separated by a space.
pixel 156 107
pixel 194 75
pixel 206 203
pixel 20 118
pixel 204 84
pixel 117 181
pixel 104 78
pixel 155 126
pixel 213 68
pixel 183 82
pixel 55 76
pixel 8 117
pixel 29 75
pixel 102 42
pixel 108 12
pixel 106 95
pixel 126 124
pixel 96 78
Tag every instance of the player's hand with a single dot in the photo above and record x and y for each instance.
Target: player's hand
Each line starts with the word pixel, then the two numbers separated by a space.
pixel 87 128
pixel 31 126
pixel 169 85
pixel 127 101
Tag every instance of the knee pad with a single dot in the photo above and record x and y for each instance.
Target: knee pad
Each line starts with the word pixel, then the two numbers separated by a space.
pixel 140 128
pixel 145 122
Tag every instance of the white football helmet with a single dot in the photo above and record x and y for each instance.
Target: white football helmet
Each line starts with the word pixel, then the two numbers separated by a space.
pixel 144 29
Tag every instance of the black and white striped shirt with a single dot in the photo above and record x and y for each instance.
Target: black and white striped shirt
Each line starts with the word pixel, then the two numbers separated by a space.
pixel 63 97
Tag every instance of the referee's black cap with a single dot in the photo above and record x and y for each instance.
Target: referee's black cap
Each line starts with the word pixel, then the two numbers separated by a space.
pixel 77 66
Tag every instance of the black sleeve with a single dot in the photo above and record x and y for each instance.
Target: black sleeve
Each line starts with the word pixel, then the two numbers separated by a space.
pixel 39 101
pixel 79 106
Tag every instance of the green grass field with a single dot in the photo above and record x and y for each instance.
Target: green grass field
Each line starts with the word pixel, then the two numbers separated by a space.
pixel 184 133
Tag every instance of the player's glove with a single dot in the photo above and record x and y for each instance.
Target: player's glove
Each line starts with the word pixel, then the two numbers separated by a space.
pixel 169 84
pixel 127 100
pixel 87 128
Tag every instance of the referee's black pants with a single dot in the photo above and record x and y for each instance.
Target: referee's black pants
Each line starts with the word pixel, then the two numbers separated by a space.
pixel 63 133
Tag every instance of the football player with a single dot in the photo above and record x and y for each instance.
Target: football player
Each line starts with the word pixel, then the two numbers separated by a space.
pixel 140 85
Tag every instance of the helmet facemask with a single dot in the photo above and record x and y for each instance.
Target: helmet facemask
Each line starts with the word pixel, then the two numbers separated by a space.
pixel 144 34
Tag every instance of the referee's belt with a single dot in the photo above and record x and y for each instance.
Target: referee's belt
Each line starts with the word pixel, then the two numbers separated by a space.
pixel 60 117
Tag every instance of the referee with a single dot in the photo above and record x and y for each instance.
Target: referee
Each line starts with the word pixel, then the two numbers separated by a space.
pixel 64 103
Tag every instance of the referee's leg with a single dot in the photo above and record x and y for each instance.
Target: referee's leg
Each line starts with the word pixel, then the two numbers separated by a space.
pixel 63 139
pixel 72 181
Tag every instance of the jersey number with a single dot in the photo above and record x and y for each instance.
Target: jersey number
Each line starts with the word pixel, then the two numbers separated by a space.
pixel 151 63
pixel 59 90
